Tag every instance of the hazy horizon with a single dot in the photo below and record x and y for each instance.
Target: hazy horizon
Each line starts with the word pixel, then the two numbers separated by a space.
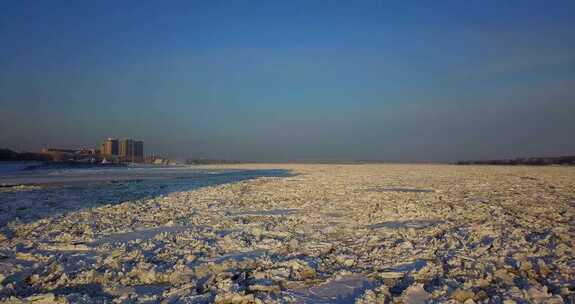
pixel 262 81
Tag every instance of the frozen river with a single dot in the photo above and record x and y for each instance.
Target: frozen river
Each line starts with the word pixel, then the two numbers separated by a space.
pixel 357 234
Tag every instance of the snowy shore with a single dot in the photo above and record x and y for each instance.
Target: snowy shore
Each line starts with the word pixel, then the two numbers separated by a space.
pixel 326 234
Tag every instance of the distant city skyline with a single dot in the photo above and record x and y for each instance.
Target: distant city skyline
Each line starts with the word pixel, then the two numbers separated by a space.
pixel 297 80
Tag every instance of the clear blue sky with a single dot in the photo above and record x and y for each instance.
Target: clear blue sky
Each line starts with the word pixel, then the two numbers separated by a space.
pixel 280 80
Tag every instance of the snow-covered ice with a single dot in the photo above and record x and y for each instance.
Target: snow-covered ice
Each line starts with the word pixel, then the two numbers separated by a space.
pixel 320 234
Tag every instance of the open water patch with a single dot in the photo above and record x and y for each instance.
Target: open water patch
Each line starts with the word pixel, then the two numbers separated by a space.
pixel 70 190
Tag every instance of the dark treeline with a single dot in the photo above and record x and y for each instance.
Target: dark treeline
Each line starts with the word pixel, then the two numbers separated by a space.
pixel 9 155
pixel 533 161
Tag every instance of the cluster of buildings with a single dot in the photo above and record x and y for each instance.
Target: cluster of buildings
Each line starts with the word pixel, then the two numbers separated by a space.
pixel 125 150
pixel 111 150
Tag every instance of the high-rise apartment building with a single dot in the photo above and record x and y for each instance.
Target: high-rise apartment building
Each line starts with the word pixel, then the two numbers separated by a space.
pixel 131 150
pixel 110 147
pixel 139 150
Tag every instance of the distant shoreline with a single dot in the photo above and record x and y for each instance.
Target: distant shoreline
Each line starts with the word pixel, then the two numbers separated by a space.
pixel 73 165
pixel 530 161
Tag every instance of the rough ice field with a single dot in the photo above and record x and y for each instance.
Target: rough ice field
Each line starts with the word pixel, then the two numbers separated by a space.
pixel 326 234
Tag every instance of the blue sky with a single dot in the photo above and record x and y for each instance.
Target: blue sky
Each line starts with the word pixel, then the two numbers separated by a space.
pixel 281 80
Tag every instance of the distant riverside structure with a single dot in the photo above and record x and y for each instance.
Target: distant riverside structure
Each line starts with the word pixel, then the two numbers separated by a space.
pixel 158 160
pixel 84 154
pixel 110 147
pixel 131 150
pixel 70 151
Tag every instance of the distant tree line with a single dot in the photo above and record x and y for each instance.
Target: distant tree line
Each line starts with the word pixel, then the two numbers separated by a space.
pixel 10 155
pixel 532 161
